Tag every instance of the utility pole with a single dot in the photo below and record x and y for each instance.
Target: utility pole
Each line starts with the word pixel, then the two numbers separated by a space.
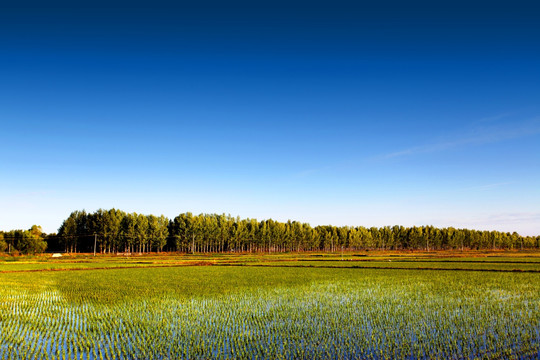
pixel 95 242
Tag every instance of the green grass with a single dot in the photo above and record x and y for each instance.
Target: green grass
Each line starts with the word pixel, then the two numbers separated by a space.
pixel 408 264
pixel 56 266
pixel 225 312
pixel 91 263
pixel 495 261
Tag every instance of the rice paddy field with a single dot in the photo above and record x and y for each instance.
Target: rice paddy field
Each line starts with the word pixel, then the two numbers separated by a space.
pixel 289 306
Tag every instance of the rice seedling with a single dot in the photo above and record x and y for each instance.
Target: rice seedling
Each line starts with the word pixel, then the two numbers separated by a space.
pixel 262 313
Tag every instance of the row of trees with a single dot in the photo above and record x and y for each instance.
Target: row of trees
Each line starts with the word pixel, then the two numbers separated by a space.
pixel 113 231
pixel 29 241
pixel 116 231
pixel 110 231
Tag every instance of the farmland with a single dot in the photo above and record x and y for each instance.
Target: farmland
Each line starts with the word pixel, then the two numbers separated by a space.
pixel 275 306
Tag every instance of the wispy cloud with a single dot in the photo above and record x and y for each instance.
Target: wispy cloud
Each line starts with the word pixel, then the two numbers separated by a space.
pixel 476 136
pixel 309 172
pixel 514 218
pixel 483 131
pixel 525 223
pixel 487 186
pixel 493 118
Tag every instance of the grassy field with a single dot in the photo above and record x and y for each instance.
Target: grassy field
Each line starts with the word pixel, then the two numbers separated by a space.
pixel 529 262
pixel 289 306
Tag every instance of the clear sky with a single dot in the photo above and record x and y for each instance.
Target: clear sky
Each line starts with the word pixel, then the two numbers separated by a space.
pixel 328 112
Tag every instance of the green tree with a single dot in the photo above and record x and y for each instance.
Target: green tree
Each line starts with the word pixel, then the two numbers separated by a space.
pixel 141 232
pixel 113 229
pixel 68 232
pixel 32 241
pixel 3 243
pixel 158 231
pixel 128 231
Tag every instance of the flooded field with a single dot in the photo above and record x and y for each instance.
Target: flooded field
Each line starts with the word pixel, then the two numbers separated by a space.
pixel 225 312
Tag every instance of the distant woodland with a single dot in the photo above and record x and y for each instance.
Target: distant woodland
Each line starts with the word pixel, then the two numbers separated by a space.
pixel 112 231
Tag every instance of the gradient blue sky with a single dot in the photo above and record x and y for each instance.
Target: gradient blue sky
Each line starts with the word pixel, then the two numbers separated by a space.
pixel 344 113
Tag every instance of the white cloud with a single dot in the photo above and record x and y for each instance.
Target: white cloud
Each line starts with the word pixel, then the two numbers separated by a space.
pixel 476 136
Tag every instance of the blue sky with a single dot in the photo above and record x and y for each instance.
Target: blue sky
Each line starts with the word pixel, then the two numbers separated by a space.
pixel 344 113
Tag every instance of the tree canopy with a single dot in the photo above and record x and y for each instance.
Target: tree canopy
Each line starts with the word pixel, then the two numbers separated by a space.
pixel 31 241
pixel 117 231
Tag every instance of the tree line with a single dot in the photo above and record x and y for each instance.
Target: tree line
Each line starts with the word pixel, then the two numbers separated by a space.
pixel 29 241
pixel 113 231
pixel 117 231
